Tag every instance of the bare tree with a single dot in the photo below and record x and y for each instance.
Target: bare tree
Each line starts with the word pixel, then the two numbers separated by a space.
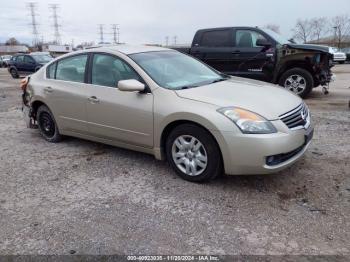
pixel 341 26
pixel 303 30
pixel 12 41
pixel 273 27
pixel 319 27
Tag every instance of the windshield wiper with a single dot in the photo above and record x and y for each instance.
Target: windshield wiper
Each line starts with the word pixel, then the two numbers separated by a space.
pixel 220 80
pixel 187 87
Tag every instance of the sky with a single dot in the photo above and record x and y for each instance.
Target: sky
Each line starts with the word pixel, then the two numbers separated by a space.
pixel 150 21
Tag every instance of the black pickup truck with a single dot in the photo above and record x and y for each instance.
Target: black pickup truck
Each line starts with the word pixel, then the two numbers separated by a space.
pixel 264 55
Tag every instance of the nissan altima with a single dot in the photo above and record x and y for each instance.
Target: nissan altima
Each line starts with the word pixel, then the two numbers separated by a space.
pixel 168 104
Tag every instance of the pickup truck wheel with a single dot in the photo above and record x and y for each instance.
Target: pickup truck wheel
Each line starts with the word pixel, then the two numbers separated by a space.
pixel 47 125
pixel 193 153
pixel 14 73
pixel 297 80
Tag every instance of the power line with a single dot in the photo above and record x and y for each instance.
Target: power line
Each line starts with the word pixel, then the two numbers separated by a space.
pixel 32 7
pixel 116 33
pixel 101 26
pixel 56 26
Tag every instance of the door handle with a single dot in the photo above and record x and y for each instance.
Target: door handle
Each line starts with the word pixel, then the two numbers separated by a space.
pixel 48 89
pixel 93 99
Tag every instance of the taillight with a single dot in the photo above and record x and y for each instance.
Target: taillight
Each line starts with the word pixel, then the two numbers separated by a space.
pixel 24 83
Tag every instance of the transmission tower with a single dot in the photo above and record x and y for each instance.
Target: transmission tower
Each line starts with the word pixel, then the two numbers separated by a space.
pixel 101 26
pixel 167 41
pixel 116 33
pixel 175 39
pixel 32 7
pixel 56 26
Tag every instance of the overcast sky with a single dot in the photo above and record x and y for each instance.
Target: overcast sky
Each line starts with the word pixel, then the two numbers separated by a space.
pixel 149 21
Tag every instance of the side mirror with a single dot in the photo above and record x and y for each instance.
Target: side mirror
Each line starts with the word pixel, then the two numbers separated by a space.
pixel 131 85
pixel 264 43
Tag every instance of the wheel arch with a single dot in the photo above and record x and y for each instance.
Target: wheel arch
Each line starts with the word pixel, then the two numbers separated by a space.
pixel 303 64
pixel 173 124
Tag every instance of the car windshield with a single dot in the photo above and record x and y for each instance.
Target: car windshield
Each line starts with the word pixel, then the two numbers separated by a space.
pixel 42 58
pixel 277 37
pixel 174 70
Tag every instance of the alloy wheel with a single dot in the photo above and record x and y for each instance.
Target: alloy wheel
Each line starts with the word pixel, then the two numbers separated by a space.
pixel 295 83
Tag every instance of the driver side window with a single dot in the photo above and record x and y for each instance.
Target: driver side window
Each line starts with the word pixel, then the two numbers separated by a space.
pixel 108 70
pixel 247 38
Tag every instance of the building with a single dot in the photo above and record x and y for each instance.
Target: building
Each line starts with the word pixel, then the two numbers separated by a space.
pixel 331 41
pixel 13 49
pixel 56 50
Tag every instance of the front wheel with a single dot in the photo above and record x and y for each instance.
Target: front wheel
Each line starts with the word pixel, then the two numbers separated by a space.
pixel 47 125
pixel 297 80
pixel 193 153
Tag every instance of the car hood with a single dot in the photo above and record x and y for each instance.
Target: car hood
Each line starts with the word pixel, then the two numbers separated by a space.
pixel 319 48
pixel 267 100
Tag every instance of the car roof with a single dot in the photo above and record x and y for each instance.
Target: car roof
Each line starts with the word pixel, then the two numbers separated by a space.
pixel 129 49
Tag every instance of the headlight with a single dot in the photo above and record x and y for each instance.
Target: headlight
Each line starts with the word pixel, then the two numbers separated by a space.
pixel 248 122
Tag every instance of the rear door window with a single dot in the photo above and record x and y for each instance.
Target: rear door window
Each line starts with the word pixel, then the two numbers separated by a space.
pixel 20 58
pixel 28 59
pixel 217 38
pixel 72 68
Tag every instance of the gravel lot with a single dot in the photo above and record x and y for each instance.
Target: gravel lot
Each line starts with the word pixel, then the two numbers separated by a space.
pixel 83 197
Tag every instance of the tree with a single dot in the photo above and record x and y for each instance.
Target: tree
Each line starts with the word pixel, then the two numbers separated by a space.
pixel 273 27
pixel 341 26
pixel 319 26
pixel 303 30
pixel 12 41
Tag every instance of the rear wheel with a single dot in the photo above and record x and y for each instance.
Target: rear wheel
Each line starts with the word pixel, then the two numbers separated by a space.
pixel 47 125
pixel 14 73
pixel 193 153
pixel 297 80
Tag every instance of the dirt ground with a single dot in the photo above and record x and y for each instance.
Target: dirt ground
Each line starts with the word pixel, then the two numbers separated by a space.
pixel 87 198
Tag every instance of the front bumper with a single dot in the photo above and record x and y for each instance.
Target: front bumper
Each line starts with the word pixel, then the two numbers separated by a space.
pixel 248 154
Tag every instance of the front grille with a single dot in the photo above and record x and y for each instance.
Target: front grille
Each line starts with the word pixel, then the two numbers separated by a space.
pixel 297 118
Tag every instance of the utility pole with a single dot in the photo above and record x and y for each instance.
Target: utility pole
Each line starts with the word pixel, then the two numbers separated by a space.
pixel 32 7
pixel 167 41
pixel 56 26
pixel 101 32
pixel 175 39
pixel 116 33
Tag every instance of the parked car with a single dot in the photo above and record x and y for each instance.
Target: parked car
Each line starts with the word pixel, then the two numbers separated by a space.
pixel 4 60
pixel 347 53
pixel 27 63
pixel 338 56
pixel 168 104
pixel 264 55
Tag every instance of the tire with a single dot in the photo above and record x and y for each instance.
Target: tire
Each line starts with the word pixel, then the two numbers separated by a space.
pixel 203 147
pixel 341 62
pixel 303 84
pixel 47 125
pixel 14 73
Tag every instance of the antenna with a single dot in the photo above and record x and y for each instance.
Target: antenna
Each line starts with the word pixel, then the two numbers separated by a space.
pixel 32 7
pixel 101 32
pixel 116 33
pixel 56 26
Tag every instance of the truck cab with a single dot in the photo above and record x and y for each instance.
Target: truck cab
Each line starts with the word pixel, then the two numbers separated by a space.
pixel 264 55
